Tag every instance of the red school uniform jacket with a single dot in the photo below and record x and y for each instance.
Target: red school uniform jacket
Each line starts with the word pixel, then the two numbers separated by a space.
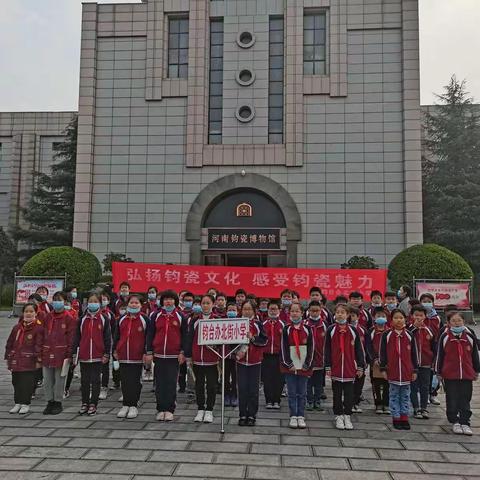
pixel 457 356
pixel 319 330
pixel 285 315
pixel 364 318
pixel 150 307
pixel 273 329
pixel 425 343
pixel 200 354
pixel 45 307
pixel 75 305
pixel 372 343
pixel 167 336
pixel 254 353
pixel 344 353
pixel 297 337
pixel 434 323
pixel 24 346
pixel 130 338
pixel 59 331
pixel 93 338
pixel 398 356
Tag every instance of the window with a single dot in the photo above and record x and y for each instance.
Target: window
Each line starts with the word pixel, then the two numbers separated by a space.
pixel 314 43
pixel 275 81
pixel 215 106
pixel 1 157
pixel 178 47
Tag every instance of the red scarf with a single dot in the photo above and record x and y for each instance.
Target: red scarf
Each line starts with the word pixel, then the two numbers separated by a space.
pixel 21 332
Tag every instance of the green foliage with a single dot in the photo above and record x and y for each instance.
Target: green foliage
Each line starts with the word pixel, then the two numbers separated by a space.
pixel 451 177
pixel 6 297
pixel 427 261
pixel 49 214
pixel 113 257
pixel 82 268
pixel 8 255
pixel 360 262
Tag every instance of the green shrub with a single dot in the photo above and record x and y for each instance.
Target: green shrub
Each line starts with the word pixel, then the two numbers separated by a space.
pixel 427 261
pixel 82 268
pixel 360 262
pixel 7 295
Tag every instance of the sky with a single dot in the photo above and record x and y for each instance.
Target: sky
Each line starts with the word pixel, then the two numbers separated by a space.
pixel 40 51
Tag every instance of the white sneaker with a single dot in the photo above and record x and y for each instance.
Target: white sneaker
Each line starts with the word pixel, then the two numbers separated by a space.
pixel 293 422
pixel 24 409
pixel 301 422
pixel 120 399
pixel 378 410
pixel 339 423
pixel 269 406
pixel 466 429
pixel 357 409
pixel 457 429
pixel 169 417
pixel 208 418
pixel 103 393
pixel 199 417
pixel 434 400
pixel 347 422
pixel 15 409
pixel 123 412
pixel 160 416
pixel 132 412
pixel 276 406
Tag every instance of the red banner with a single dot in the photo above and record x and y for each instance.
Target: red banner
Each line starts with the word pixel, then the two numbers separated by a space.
pixel 263 282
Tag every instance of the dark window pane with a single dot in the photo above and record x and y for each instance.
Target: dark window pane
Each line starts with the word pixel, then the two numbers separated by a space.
pixel 275 138
pixel 216 26
pixel 308 36
pixel 183 40
pixel 308 68
pixel 275 113
pixel 319 37
pixel 216 82
pixel 275 126
pixel 215 102
pixel 214 139
pixel 183 56
pixel 308 22
pixel 173 41
pixel 183 71
pixel 216 88
pixel 308 53
pixel 276 88
pixel 276 75
pixel 216 63
pixel 173 57
pixel 319 68
pixel 216 38
pixel 275 100
pixel 173 71
pixel 216 127
pixel 216 51
pixel 216 76
pixel 276 62
pixel 183 25
pixel 276 49
pixel 216 115
pixel 319 21
pixel 276 36
pixel 319 52
pixel 174 26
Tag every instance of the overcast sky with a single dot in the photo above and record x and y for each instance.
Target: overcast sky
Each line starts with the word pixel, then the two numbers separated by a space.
pixel 40 49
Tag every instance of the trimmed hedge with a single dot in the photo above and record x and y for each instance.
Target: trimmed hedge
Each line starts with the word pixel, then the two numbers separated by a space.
pixel 427 261
pixel 82 268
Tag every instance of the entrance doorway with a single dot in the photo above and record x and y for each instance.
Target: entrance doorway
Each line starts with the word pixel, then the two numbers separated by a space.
pixel 250 259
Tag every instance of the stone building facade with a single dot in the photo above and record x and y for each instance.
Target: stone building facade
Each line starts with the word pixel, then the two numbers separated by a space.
pixel 208 127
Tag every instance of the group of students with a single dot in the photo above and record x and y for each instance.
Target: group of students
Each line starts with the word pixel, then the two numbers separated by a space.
pixel 401 341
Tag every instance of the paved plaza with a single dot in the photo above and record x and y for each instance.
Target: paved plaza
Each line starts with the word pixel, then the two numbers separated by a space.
pixel 68 446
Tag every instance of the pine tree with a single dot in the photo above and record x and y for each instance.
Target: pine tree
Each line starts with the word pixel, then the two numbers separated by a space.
pixel 49 215
pixel 8 259
pixel 451 175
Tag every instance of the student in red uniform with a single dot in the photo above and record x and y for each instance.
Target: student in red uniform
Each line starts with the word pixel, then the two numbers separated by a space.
pixel 59 329
pixel 262 311
pixel 364 318
pixel 432 319
pixel 129 348
pixel 315 384
pixel 249 360
pixel 123 295
pixel 122 311
pixel 398 361
pixel 108 314
pixel 458 365
pixel 298 350
pixel 43 306
pixel 185 308
pixel 380 386
pixel 150 306
pixel 74 314
pixel 73 297
pixel 273 379
pixel 220 308
pixel 286 300
pixel 376 300
pixel 426 350
pixel 23 353
pixel 166 340
pixel 93 340
pixel 344 360
pixel 354 320
pixel 231 366
pixel 240 297
pixel 204 363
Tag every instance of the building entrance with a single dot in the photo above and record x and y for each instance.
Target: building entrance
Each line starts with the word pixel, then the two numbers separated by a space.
pixel 245 259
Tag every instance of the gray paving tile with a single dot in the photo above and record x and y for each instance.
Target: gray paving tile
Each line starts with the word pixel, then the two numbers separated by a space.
pixel 220 447
pixel 434 446
pixel 248 459
pixel 143 468
pixel 343 475
pixel 450 468
pixel 425 476
pixel 181 457
pixel 158 444
pixel 304 450
pixel 79 433
pixel 274 473
pixel 358 443
pixel 17 463
pixel 97 442
pixel 206 470
pixel 383 465
pixel 208 436
pixel 303 440
pixel 83 476
pixel 117 454
pixel 10 451
pixel 37 441
pixel 29 476
pixel 64 465
pixel 53 452
pixel 251 438
pixel 345 452
pixel 410 455
pixel 316 462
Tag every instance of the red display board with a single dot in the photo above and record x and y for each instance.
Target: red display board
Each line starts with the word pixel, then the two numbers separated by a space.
pixel 263 282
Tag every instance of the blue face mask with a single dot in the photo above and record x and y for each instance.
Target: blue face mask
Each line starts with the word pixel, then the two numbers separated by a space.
pixel 263 309
pixel 391 306
pixel 187 304
pixel 73 294
pixel 286 302
pixel 105 303
pixel 196 308
pixel 68 307
pixel 44 297
pixel 381 321
pixel 315 319
pixel 400 294
pixel 93 307
pixel 124 294
pixel 152 296
pixel 158 303
pixel 342 322
pixel 58 305
pixel 231 314
pixel 457 330
pixel 133 310
pixel 296 321
pixel 170 308
pixel 428 305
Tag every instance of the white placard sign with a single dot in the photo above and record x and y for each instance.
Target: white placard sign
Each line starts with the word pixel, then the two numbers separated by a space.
pixel 223 331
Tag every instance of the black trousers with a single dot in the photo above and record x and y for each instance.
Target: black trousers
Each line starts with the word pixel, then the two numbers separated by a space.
pixel 205 375
pixel 166 373
pixel 248 379
pixel 24 386
pixel 230 377
pixel 182 376
pixel 342 397
pixel 459 395
pixel 315 386
pixel 69 379
pixel 381 391
pixel 105 374
pixel 115 376
pixel 421 386
pixel 90 382
pixel 130 375
pixel 272 378
pixel 358 389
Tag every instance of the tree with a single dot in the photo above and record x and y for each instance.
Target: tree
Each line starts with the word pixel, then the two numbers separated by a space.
pixel 8 258
pixel 451 174
pixel 113 257
pixel 360 262
pixel 49 215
